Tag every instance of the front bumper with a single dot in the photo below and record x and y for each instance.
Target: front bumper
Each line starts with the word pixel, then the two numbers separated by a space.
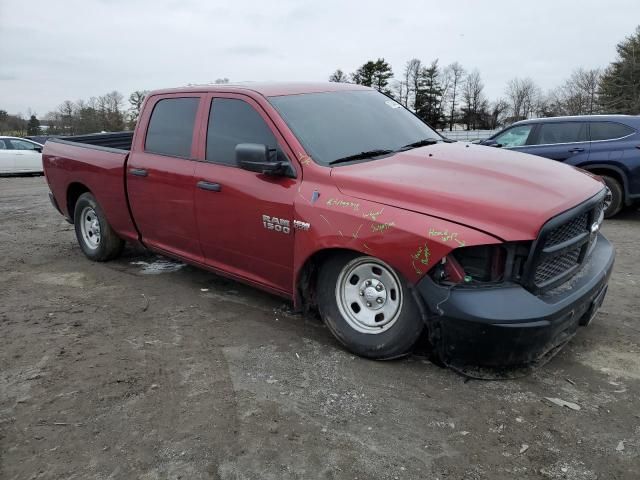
pixel 508 325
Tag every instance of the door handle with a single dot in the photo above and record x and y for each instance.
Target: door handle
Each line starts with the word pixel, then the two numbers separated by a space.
pixel 138 172
pixel 576 150
pixel 210 186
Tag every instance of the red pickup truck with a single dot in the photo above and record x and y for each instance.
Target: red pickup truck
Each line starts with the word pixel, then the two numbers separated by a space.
pixel 337 197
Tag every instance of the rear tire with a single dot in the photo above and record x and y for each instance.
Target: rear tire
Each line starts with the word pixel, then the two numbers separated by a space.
pixel 95 236
pixel 368 306
pixel 616 199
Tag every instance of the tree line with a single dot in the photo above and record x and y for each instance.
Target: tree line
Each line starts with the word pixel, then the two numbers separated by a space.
pixel 445 96
pixel 105 113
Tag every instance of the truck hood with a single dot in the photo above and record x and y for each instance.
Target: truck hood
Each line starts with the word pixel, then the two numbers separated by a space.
pixel 504 193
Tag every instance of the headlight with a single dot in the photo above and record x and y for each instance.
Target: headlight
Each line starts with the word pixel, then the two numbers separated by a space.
pixel 482 264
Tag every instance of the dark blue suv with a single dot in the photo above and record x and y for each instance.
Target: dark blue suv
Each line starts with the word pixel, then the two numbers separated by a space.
pixel 607 145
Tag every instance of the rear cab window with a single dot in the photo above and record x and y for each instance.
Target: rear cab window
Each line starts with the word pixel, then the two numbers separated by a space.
pixel 551 133
pixel 609 131
pixel 170 130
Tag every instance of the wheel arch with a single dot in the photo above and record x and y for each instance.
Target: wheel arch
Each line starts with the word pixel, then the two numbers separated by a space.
pixel 74 190
pixel 307 275
pixel 610 171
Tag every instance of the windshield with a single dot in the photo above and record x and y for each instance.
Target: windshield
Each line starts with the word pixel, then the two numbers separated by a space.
pixel 335 125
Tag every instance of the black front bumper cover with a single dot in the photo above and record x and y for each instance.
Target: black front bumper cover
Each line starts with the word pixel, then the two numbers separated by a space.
pixel 508 325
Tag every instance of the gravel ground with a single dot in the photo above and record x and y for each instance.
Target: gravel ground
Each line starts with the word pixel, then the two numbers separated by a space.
pixel 146 368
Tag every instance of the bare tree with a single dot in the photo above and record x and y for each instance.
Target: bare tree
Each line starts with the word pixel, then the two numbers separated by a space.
pixel 456 73
pixel 473 99
pixel 579 94
pixel 400 91
pixel 446 81
pixel 339 77
pixel 498 110
pixel 66 111
pixel 522 95
pixel 412 78
pixel 136 99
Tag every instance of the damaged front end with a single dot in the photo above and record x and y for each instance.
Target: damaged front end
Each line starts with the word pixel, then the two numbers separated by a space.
pixel 512 304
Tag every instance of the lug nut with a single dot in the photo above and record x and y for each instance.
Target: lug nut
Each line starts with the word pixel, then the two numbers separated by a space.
pixel 368 283
pixel 362 293
pixel 379 300
pixel 379 287
pixel 368 304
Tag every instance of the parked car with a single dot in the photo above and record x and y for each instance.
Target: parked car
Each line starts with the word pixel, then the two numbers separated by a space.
pixel 19 155
pixel 336 197
pixel 606 145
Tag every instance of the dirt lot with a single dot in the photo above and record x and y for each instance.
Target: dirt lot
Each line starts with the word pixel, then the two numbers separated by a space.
pixel 144 368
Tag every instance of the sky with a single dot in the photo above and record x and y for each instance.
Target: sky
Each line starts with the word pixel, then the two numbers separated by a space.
pixel 51 51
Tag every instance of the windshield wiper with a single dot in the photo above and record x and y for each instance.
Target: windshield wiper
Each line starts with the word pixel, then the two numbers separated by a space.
pixel 420 143
pixel 361 156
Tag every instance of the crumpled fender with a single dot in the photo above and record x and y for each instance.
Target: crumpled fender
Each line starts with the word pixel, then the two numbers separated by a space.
pixel 410 242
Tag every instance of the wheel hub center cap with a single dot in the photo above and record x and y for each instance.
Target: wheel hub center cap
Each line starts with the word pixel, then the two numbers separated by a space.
pixel 370 294
pixel 374 294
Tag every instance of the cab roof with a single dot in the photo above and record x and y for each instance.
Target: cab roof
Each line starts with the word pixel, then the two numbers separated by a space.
pixel 266 89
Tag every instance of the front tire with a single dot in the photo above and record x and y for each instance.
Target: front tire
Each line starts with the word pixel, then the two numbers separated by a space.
pixel 368 306
pixel 95 236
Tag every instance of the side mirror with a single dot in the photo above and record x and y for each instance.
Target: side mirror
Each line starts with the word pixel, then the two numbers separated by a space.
pixel 38 149
pixel 254 157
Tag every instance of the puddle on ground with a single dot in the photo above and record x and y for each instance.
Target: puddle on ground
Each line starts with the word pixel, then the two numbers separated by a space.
pixel 157 266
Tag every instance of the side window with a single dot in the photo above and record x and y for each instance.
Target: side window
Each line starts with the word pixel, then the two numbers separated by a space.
pixel 514 137
pixel 609 130
pixel 170 129
pixel 562 132
pixel 2 145
pixel 233 121
pixel 22 145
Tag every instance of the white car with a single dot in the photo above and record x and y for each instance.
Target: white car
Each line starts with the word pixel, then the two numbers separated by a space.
pixel 19 155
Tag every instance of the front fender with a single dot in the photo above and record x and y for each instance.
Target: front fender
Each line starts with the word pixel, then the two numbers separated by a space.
pixel 410 242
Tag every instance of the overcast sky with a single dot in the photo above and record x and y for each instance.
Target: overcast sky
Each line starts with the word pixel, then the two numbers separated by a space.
pixel 51 51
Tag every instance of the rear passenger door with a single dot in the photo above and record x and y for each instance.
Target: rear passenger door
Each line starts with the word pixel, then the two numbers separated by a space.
pixel 231 203
pixel 609 140
pixel 563 141
pixel 160 181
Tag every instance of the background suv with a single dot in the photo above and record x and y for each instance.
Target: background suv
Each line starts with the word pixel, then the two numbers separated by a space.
pixel 607 145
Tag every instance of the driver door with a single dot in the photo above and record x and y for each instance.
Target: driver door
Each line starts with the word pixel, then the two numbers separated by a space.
pixel 27 155
pixel 245 219
pixel 515 138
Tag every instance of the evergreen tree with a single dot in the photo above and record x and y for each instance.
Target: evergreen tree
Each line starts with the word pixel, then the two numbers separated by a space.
pixel 428 95
pixel 33 127
pixel 620 83
pixel 374 74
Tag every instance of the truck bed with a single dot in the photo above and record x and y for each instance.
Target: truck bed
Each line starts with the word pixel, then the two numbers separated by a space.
pixel 114 140
pixel 94 163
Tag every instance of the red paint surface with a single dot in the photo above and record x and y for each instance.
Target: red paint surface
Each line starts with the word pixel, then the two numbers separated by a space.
pixel 409 209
